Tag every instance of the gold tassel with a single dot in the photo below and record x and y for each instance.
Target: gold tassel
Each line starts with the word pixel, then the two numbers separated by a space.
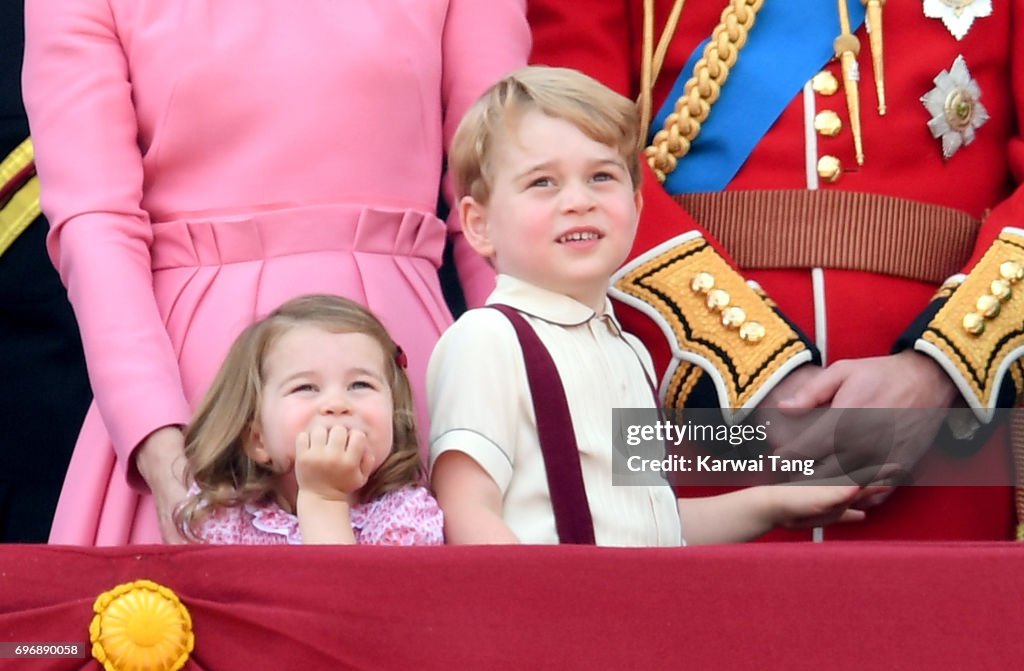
pixel 847 47
pixel 874 8
pixel 652 59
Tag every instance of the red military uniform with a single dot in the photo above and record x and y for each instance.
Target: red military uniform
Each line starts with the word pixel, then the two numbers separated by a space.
pixel 856 285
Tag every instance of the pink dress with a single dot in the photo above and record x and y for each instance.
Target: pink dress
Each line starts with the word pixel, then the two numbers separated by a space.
pixel 407 516
pixel 204 161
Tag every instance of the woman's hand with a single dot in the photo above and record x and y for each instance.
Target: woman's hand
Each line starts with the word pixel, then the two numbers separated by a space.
pixel 161 463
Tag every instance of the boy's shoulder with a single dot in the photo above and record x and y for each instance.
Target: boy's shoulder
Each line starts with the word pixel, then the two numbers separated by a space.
pixel 482 322
pixel 480 333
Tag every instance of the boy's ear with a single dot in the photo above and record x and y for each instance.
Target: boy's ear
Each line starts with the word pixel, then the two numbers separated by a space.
pixel 638 200
pixel 473 216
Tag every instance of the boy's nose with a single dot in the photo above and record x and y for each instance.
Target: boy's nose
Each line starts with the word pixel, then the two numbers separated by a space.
pixel 577 197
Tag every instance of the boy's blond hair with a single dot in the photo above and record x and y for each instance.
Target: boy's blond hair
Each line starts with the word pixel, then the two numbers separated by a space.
pixel 600 113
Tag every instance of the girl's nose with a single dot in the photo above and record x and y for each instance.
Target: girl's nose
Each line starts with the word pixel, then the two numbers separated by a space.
pixel 334 404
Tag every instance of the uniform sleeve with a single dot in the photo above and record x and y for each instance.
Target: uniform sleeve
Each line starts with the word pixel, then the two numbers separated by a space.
pixel 974 325
pixel 407 516
pixel 474 383
pixel 483 41
pixel 78 97
pixel 700 359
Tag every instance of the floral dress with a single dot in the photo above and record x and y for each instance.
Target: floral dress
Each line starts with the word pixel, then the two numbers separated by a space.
pixel 408 516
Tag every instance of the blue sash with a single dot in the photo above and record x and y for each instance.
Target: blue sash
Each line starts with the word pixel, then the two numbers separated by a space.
pixel 788 44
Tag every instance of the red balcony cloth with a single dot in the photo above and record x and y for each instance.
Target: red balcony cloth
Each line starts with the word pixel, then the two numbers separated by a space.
pixel 788 605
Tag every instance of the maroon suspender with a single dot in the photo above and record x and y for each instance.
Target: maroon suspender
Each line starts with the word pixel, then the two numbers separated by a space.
pixel 557 438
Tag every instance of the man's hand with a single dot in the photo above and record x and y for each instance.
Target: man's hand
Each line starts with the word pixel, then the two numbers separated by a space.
pixel 905 380
pixel 914 389
pixel 786 425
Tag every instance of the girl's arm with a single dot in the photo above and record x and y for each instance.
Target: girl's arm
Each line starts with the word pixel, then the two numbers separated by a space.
pixel 471 501
pixel 748 513
pixel 324 521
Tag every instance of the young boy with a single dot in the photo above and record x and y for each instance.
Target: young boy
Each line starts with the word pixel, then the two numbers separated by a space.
pixel 547 175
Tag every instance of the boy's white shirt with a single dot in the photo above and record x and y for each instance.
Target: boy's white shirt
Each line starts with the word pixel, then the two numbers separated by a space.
pixel 480 405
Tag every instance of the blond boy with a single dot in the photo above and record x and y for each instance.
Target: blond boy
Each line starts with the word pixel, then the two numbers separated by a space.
pixel 547 176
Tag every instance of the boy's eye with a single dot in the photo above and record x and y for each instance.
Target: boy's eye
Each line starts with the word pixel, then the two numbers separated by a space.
pixel 541 181
pixel 604 177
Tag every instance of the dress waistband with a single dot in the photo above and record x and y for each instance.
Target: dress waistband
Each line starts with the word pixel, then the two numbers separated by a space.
pixel 212 241
pixel 836 229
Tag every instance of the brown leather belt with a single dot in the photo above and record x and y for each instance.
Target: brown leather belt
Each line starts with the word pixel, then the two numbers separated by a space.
pixel 836 229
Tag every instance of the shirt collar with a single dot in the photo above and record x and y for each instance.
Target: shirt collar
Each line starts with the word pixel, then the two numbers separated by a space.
pixel 547 305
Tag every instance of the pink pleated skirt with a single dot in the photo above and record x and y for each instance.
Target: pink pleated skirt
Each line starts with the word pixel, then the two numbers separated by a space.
pixel 213 277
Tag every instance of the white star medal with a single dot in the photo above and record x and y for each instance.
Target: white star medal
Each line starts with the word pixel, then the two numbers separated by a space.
pixel 957 15
pixel 955 106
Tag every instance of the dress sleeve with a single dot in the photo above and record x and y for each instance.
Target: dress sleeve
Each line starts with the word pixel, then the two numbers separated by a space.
pixel 222 527
pixel 482 42
pixel 408 516
pixel 250 524
pixel 78 95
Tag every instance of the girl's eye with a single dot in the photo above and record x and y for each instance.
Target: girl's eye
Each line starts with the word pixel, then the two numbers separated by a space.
pixel 363 384
pixel 299 388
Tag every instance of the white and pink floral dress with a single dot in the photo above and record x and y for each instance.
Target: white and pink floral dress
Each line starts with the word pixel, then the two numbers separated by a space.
pixel 408 516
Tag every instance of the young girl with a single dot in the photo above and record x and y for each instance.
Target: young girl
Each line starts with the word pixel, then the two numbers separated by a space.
pixel 307 435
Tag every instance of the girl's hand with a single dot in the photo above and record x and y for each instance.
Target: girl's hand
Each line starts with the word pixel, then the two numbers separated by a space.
pixel 332 464
pixel 161 463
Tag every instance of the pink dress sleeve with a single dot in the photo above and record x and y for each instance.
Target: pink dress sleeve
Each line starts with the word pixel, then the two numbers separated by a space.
pixel 79 97
pixel 482 42
pixel 407 516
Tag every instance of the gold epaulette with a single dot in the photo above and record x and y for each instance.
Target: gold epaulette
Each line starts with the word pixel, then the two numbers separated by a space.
pixel 713 320
pixel 19 194
pixel 978 334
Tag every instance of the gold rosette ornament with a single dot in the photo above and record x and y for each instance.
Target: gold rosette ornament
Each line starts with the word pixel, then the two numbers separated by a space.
pixel 141 626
